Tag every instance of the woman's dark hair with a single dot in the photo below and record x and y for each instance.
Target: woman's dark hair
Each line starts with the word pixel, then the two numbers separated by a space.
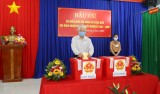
pixel 115 34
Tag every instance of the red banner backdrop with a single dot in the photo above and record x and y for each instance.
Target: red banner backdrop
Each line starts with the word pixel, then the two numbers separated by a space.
pixel 24 15
pixel 98 22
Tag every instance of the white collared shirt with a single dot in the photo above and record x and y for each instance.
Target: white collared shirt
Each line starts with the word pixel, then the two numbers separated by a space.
pixel 82 45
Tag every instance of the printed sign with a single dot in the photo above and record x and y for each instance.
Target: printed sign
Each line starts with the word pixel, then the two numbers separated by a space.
pixel 119 67
pixel 89 68
pixel 98 22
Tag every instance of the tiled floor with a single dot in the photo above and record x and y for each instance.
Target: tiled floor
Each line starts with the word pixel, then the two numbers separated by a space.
pixel 27 86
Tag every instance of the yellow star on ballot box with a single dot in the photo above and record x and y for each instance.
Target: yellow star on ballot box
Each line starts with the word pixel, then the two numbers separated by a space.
pixel 13 7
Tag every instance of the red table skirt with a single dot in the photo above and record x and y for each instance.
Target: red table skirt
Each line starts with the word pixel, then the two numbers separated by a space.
pixel 141 84
pixel 158 90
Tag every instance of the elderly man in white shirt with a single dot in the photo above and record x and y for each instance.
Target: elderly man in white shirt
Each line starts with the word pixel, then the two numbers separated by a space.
pixel 81 43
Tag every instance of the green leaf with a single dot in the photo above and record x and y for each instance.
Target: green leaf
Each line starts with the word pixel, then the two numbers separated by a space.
pixel 123 90
pixel 49 77
pixel 113 90
pixel 45 75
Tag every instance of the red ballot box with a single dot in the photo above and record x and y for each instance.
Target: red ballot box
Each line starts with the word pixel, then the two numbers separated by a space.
pixel 86 69
pixel 116 66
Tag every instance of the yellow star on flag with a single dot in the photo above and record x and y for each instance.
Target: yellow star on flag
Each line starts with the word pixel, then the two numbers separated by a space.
pixel 13 7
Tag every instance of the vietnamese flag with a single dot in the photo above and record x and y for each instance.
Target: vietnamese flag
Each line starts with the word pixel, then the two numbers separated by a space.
pixel 24 15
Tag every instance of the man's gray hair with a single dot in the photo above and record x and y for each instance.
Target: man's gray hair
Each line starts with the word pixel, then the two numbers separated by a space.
pixel 81 26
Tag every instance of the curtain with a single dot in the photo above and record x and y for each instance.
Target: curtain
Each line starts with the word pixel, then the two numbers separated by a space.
pixel 151 43
pixel 126 22
pixel 27 24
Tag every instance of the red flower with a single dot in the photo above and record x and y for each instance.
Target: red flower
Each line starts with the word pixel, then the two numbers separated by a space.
pixel 52 69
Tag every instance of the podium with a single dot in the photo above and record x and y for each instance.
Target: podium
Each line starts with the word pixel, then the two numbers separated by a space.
pixel 12 61
pixel 116 66
pixel 86 69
